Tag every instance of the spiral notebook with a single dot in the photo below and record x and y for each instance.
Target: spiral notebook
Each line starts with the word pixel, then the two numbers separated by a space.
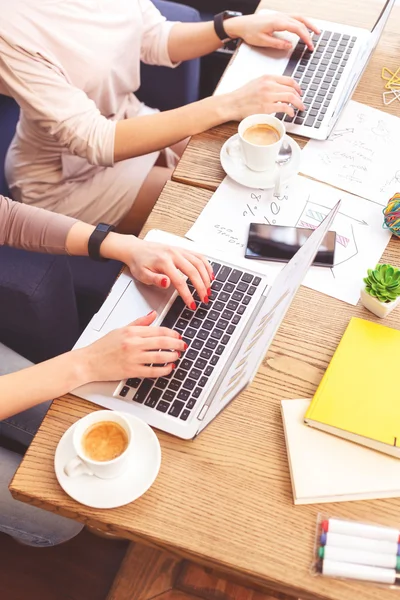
pixel 326 468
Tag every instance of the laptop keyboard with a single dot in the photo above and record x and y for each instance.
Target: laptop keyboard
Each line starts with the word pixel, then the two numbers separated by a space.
pixel 207 332
pixel 318 74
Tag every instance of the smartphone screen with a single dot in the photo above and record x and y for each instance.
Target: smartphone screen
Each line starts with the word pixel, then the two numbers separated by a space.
pixel 279 243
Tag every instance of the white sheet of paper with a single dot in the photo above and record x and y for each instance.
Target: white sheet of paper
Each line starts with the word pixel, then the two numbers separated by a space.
pixel 361 239
pixel 360 156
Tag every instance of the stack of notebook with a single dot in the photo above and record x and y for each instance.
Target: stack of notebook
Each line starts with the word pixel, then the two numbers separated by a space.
pixel 358 401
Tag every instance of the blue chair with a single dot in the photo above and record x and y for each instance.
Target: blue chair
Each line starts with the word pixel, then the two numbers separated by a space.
pixel 46 301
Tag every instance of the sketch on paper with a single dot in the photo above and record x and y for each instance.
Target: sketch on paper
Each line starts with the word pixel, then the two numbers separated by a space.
pixel 360 239
pixel 360 155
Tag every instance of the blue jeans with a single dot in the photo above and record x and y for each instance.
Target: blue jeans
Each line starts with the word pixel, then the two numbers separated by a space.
pixel 26 523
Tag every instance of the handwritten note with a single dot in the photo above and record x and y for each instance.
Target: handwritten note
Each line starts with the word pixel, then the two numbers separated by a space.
pixel 360 239
pixel 361 155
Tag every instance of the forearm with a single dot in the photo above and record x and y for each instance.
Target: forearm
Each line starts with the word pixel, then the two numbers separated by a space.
pixel 192 40
pixel 51 379
pixel 142 135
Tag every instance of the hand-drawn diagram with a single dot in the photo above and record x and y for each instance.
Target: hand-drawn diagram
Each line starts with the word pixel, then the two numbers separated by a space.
pixel 360 241
pixel 361 155
pixel 395 180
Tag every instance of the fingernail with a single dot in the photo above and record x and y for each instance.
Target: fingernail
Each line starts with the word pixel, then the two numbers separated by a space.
pixel 173 366
pixel 180 337
pixel 185 346
pixel 178 353
pixel 164 282
pixel 150 313
pixel 206 300
pixel 209 291
pixel 212 276
pixel 193 306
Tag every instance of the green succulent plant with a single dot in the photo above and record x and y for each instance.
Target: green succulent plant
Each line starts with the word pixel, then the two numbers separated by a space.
pixel 383 283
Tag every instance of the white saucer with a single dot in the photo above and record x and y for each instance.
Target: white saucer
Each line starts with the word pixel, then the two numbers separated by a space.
pixel 111 493
pixel 234 166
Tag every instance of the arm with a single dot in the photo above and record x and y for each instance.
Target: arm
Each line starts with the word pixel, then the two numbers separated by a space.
pixel 39 230
pixel 120 354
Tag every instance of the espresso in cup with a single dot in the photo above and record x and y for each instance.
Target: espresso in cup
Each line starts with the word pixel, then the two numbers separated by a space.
pixel 103 444
pixel 104 441
pixel 262 135
pixel 260 139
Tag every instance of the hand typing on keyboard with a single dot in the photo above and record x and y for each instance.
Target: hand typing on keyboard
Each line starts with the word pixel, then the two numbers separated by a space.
pixel 160 265
pixel 259 29
pixel 133 351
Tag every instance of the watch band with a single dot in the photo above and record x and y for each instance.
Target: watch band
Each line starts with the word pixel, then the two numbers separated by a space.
pixel 96 239
pixel 219 24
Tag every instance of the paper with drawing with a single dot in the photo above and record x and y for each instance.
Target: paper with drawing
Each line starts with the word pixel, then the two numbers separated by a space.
pixel 361 156
pixel 360 241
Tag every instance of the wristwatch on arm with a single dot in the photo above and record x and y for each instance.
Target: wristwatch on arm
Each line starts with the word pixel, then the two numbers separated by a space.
pixel 96 239
pixel 219 24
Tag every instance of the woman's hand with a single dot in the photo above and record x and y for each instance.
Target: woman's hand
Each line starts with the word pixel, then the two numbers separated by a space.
pixel 161 265
pixel 259 29
pixel 129 352
pixel 265 95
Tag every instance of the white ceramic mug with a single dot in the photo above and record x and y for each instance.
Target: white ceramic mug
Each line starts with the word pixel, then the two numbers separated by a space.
pixel 82 464
pixel 256 157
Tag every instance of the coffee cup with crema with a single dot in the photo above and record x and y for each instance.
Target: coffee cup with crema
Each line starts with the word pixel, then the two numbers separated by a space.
pixel 261 138
pixel 103 442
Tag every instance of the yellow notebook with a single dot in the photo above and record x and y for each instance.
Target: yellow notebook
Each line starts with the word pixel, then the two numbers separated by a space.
pixel 359 395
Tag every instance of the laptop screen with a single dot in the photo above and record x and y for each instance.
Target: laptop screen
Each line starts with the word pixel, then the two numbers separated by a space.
pixel 262 332
pixel 383 17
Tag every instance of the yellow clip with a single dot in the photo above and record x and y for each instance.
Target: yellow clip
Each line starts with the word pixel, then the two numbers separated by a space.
pixel 384 70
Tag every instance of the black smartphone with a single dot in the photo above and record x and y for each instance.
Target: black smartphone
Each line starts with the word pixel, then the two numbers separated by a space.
pixel 279 243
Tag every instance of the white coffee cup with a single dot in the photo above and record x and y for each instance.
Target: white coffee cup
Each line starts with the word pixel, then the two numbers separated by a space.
pixel 257 157
pixel 82 464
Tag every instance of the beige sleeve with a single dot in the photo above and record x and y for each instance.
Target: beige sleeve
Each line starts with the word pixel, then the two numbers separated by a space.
pixel 60 109
pixel 156 30
pixel 33 228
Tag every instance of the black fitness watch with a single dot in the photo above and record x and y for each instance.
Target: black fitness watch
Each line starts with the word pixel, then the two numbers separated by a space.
pixel 96 239
pixel 219 24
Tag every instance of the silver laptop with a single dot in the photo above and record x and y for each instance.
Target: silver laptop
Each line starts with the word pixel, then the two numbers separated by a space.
pixel 328 76
pixel 227 340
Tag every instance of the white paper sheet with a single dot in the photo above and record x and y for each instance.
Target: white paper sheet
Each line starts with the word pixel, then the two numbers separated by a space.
pixel 361 156
pixel 361 240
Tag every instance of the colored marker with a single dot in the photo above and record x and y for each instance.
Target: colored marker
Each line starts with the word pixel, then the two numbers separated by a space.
pixel 373 532
pixel 359 557
pixel 332 568
pixel 358 543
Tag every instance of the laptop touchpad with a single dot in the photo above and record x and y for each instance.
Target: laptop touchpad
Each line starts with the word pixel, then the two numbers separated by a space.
pixel 135 301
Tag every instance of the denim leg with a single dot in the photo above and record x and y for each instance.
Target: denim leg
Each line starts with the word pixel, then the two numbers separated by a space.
pixel 28 524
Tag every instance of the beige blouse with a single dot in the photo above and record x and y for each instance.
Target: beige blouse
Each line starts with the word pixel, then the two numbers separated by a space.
pixel 73 67
pixel 33 228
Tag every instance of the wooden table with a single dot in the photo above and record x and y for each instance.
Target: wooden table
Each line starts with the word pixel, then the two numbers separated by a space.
pixel 225 499
pixel 200 165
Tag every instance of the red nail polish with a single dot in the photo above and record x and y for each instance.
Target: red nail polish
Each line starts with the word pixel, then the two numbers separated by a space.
pixel 206 300
pixel 185 346
pixel 209 291
pixel 212 277
pixel 179 353
pixel 173 366
pixel 193 306
pixel 150 313
pixel 164 282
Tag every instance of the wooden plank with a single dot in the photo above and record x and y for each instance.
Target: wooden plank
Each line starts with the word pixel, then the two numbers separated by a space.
pixel 200 164
pixel 206 583
pixel 144 574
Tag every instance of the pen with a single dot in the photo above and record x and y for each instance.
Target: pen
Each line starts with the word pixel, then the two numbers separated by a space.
pixel 361 530
pixel 360 543
pixel 332 568
pixel 359 557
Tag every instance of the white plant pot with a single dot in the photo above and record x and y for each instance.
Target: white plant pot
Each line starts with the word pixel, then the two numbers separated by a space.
pixel 380 309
